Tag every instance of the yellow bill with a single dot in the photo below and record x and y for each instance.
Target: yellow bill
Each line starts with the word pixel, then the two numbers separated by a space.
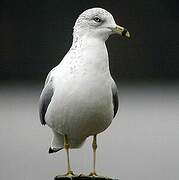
pixel 121 30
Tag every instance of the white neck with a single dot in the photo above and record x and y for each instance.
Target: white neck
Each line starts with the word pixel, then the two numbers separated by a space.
pixel 91 52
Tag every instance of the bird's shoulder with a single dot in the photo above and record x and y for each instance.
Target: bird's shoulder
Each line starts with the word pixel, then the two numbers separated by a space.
pixel 50 76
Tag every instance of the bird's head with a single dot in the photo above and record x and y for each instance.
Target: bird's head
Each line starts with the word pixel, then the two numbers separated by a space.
pixel 97 23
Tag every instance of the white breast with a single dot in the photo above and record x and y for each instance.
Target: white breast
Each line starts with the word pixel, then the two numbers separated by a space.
pixel 82 100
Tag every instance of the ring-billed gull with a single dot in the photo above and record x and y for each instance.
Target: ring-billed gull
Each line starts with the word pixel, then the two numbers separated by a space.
pixel 80 97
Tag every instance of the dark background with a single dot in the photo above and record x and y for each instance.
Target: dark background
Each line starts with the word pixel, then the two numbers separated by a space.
pixel 142 142
pixel 35 35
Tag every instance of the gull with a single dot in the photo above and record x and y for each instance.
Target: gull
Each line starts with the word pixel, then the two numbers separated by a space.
pixel 80 98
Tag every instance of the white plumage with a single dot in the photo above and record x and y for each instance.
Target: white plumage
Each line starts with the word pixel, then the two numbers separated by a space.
pixel 82 102
pixel 79 98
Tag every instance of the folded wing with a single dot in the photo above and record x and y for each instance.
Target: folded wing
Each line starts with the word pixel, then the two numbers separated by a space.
pixel 115 97
pixel 45 99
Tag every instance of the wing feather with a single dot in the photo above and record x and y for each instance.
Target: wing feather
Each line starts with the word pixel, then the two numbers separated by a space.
pixel 45 99
pixel 115 98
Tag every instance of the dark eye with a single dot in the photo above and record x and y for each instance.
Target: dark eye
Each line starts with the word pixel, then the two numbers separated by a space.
pixel 97 19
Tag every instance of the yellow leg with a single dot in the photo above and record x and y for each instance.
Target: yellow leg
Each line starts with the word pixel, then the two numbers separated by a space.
pixel 94 146
pixel 67 146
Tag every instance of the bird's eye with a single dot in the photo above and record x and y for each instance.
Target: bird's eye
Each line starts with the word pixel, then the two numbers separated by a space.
pixel 97 19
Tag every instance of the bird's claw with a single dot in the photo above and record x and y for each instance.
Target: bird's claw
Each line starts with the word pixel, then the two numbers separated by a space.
pixel 69 174
pixel 93 174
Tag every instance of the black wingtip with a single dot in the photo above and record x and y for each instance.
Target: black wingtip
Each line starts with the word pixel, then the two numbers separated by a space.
pixel 53 150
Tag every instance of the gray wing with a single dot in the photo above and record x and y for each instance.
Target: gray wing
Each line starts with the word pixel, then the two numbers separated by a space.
pixel 45 99
pixel 115 97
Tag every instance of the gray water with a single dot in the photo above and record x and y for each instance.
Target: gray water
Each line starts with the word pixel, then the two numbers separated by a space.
pixel 141 144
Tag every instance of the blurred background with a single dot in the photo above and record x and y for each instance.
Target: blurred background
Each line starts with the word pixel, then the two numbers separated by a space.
pixel 143 140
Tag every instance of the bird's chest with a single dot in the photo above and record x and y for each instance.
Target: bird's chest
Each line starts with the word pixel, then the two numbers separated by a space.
pixel 83 102
pixel 83 89
pixel 86 78
pixel 82 97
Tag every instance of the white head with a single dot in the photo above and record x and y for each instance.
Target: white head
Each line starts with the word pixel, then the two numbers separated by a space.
pixel 97 23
